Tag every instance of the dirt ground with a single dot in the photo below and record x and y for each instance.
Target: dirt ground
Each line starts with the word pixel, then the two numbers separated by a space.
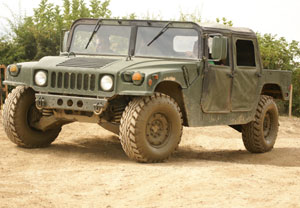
pixel 86 167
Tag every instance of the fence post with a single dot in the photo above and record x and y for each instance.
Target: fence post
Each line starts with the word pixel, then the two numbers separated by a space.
pixel 291 101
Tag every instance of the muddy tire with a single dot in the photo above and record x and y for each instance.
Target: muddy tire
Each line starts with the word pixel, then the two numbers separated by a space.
pixel 151 128
pixel 18 110
pixel 260 135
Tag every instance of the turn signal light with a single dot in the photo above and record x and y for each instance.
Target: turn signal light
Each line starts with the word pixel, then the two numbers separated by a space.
pixel 137 76
pixel 13 68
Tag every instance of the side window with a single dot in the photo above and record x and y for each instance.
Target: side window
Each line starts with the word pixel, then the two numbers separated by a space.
pixel 245 54
pixel 222 62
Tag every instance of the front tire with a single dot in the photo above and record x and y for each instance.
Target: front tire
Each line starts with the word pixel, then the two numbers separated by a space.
pixel 259 136
pixel 18 111
pixel 151 128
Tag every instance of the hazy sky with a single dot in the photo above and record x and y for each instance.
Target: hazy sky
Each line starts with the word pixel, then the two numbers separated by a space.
pixel 280 17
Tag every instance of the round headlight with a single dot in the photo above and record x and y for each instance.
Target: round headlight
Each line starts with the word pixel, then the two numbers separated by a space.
pixel 40 78
pixel 106 83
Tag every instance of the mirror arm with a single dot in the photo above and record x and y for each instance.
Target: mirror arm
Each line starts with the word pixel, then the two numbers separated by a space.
pixel 215 34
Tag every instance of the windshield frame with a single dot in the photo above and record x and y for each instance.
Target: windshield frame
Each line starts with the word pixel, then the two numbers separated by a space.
pixel 134 24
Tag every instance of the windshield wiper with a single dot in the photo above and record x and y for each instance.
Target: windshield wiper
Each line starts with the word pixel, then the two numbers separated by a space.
pixel 97 26
pixel 165 28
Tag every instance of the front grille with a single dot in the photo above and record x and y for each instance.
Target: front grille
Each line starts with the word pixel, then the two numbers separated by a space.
pixel 72 81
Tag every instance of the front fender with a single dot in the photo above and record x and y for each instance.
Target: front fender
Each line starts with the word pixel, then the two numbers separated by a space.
pixel 24 77
pixel 151 81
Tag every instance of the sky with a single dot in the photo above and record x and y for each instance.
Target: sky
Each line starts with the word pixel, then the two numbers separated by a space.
pixel 281 17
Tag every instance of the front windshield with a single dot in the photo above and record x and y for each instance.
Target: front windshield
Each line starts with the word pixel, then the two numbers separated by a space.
pixel 174 43
pixel 109 40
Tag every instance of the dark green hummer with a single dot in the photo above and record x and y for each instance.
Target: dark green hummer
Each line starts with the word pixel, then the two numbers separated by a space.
pixel 144 80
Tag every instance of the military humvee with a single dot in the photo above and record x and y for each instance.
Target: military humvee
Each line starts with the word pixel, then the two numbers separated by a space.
pixel 144 80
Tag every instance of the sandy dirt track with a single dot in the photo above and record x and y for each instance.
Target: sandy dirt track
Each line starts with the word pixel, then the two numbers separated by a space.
pixel 86 167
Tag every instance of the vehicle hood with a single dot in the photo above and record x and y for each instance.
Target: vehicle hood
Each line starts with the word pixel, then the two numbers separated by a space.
pixel 112 65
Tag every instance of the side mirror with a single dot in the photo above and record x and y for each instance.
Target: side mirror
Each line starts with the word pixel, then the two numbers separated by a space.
pixel 219 48
pixel 64 41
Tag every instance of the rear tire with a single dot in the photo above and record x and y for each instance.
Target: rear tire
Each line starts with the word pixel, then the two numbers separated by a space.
pixel 19 109
pixel 260 135
pixel 151 128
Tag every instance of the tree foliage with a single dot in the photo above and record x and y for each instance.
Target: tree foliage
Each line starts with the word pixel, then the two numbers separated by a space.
pixel 33 37
pixel 278 53
pixel 193 17
pixel 296 92
pixel 224 21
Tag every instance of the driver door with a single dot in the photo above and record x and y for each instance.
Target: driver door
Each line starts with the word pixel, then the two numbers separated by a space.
pixel 217 83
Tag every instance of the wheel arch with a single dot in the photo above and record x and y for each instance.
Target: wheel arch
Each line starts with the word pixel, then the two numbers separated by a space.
pixel 174 90
pixel 273 90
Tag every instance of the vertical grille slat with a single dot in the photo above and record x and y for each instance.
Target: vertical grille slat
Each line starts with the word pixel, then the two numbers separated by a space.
pixel 59 80
pixel 92 82
pixel 73 79
pixel 66 80
pixel 79 81
pixel 53 79
pixel 86 82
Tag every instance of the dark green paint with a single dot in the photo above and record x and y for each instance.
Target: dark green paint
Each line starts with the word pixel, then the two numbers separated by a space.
pixel 212 94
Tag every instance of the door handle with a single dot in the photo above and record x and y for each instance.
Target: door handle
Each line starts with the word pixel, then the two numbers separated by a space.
pixel 258 74
pixel 230 75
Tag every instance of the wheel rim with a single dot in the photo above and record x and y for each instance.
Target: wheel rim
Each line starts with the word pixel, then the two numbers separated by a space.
pixel 158 130
pixel 33 115
pixel 267 125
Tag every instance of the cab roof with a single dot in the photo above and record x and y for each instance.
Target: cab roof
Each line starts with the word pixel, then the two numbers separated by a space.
pixel 206 27
pixel 216 26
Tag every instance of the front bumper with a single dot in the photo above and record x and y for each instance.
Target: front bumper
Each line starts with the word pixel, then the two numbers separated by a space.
pixel 70 102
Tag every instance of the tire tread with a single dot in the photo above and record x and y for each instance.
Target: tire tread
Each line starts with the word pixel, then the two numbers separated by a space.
pixel 9 118
pixel 128 126
pixel 251 132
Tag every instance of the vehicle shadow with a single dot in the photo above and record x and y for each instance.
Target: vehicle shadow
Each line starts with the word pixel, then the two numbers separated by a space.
pixel 283 157
pixel 95 149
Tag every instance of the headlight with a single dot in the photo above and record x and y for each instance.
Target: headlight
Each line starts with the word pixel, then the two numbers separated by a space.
pixel 40 78
pixel 106 83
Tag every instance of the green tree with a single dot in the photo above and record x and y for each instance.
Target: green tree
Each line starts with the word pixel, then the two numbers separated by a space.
pixel 99 9
pixel 224 21
pixel 47 24
pixel 75 14
pixel 84 11
pixel 296 92
pixel 32 38
pixel 278 53
pixel 193 17
pixel 67 13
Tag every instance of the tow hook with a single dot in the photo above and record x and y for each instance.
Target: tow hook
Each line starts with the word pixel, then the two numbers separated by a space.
pixel 97 109
pixel 40 102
